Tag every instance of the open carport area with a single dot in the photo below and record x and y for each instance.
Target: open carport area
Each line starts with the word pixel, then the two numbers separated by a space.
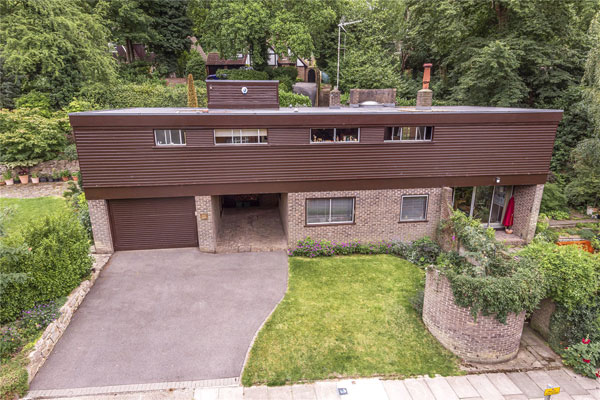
pixel 166 316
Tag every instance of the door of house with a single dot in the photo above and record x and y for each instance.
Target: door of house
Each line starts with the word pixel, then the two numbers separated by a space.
pixel 486 203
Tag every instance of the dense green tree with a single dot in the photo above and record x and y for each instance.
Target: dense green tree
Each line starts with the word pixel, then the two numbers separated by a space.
pixel 53 46
pixel 591 78
pixel 249 26
pixel 584 189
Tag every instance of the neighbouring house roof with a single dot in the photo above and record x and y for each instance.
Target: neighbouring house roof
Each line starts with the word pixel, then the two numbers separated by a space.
pixel 196 46
pixel 215 59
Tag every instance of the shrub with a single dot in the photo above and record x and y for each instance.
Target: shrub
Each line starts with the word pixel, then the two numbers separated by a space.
pixel 10 341
pixel 56 262
pixel 242 74
pixel 79 205
pixel 584 357
pixel 38 318
pixel 196 66
pixel 569 326
pixel 35 99
pixel 423 252
pixel 277 73
pixel 70 152
pixel 287 99
pixel 147 94
pixel 27 137
pixel 571 274
pixel 554 198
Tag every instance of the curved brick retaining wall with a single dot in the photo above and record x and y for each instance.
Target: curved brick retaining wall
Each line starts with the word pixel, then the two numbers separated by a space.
pixel 484 341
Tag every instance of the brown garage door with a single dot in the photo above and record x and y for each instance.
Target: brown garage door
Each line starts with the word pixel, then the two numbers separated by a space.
pixel 153 223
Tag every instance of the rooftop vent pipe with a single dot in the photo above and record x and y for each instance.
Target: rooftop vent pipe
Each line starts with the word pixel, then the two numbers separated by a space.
pixel 425 95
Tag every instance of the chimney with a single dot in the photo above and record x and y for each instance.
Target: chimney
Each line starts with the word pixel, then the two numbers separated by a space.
pixel 425 95
pixel 334 98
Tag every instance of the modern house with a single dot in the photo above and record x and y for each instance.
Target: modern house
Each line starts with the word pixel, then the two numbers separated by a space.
pixel 245 169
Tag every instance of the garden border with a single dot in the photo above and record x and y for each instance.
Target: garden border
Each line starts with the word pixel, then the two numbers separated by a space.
pixel 53 332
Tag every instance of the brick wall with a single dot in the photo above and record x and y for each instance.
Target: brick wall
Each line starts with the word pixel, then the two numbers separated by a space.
pixel 377 216
pixel 527 207
pixel 540 318
pixel 486 341
pixel 101 226
pixel 208 217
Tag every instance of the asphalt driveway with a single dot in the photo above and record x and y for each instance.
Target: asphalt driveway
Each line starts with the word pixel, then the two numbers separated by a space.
pixel 166 316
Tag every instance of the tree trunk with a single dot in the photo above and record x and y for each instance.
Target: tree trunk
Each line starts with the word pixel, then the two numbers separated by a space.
pixel 129 48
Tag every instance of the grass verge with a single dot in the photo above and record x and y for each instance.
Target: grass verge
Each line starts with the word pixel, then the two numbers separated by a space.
pixel 347 317
pixel 27 209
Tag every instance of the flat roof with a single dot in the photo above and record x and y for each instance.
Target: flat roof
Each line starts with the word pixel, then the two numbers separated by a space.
pixel 316 111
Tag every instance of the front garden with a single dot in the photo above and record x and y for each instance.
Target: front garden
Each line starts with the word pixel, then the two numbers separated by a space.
pixel 44 254
pixel 361 315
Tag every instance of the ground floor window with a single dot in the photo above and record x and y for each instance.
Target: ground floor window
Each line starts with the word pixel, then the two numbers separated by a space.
pixel 240 136
pixel 486 203
pixel 414 208
pixel 330 211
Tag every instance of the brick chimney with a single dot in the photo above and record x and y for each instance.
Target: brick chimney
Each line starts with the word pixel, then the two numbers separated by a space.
pixel 425 95
pixel 334 98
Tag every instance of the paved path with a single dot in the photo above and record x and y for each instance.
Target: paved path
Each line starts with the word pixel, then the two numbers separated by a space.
pixel 500 386
pixel 30 190
pixel 159 316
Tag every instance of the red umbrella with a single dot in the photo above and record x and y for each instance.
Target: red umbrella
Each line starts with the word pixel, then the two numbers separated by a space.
pixel 510 212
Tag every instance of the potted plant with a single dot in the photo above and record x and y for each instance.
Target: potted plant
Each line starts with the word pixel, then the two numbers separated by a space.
pixel 24 175
pixel 75 176
pixel 65 175
pixel 8 177
pixel 55 175
pixel 35 177
pixel 43 178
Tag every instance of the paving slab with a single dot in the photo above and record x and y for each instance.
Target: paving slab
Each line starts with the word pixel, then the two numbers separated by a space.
pixel 255 393
pixel 169 315
pixel 303 392
pixel 542 380
pixel 206 394
pixel 418 389
pixel 326 391
pixel 583 381
pixel 595 393
pixel 485 387
pixel 567 383
pixel 525 384
pixel 504 385
pixel 279 393
pixel 233 393
pixel 441 389
pixel 462 387
pixel 396 390
pixel 582 397
pixel 516 397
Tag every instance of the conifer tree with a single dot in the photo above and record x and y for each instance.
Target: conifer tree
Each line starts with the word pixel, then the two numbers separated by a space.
pixel 192 96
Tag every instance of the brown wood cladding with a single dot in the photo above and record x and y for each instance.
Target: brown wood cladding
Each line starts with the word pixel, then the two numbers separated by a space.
pixel 228 94
pixel 459 155
pixel 154 223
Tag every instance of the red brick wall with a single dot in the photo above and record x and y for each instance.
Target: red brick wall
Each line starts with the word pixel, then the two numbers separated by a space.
pixel 527 207
pixel 486 340
pixel 376 216
pixel 540 318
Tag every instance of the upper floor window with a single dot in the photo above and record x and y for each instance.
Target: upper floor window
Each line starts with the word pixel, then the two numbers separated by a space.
pixel 330 211
pixel 331 135
pixel 408 133
pixel 240 136
pixel 414 208
pixel 169 137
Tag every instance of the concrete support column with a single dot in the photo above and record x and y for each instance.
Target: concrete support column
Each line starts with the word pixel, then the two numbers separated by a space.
pixel 100 226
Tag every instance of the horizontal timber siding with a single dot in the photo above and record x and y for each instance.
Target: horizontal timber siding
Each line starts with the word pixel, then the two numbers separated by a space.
pixel 459 154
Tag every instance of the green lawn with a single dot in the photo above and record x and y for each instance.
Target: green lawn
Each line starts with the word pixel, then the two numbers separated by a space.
pixel 347 317
pixel 27 209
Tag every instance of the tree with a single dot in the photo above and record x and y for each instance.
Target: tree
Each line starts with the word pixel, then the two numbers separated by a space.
pixel 584 189
pixel 591 77
pixel 191 94
pixel 196 66
pixel 53 46
pixel 250 26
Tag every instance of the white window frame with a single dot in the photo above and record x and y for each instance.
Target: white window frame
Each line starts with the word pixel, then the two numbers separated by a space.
pixel 330 203
pixel 181 133
pixel 310 137
pixel 239 134
pixel 409 140
pixel 426 207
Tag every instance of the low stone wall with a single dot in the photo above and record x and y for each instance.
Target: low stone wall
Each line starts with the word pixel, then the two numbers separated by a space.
pixel 540 318
pixel 48 166
pixel 485 340
pixel 44 346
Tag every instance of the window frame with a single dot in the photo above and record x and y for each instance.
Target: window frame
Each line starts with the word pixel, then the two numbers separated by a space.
pixel 401 127
pixel 425 219
pixel 334 136
pixel 258 135
pixel 352 222
pixel 182 137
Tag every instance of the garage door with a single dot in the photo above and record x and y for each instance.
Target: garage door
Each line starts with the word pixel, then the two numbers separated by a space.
pixel 153 223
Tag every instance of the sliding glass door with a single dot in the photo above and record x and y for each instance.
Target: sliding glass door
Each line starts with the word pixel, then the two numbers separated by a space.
pixel 486 203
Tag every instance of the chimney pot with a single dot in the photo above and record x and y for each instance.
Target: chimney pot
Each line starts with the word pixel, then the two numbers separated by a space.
pixel 426 75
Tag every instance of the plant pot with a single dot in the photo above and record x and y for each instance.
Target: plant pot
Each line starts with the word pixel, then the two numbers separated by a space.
pixel 42 179
pixel 35 180
pixel 65 178
pixel 24 178
pixel 75 178
pixel 9 182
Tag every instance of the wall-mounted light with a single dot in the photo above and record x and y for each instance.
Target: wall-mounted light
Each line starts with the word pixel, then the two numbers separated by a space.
pixel 244 90
pixel 497 179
